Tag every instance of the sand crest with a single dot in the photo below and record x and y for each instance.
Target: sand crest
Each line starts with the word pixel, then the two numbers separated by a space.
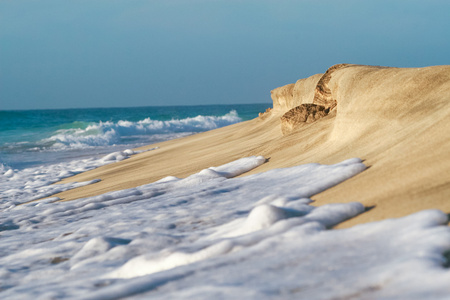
pixel 396 119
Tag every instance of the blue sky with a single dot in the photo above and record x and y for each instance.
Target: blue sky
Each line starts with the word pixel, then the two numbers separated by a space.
pixel 110 53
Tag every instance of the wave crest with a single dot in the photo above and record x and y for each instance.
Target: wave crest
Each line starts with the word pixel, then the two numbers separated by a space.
pixel 111 133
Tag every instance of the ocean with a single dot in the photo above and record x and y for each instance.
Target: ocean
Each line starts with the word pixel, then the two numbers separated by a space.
pixel 29 138
pixel 41 147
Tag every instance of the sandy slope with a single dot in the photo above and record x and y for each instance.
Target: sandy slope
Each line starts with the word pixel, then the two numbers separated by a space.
pixel 397 119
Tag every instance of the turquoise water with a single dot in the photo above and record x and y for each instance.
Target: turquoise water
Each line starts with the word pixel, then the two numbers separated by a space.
pixel 35 137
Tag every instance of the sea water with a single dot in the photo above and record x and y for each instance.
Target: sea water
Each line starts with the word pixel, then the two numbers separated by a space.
pixel 41 147
pixel 30 138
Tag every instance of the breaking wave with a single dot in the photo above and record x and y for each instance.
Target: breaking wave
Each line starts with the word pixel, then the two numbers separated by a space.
pixel 111 133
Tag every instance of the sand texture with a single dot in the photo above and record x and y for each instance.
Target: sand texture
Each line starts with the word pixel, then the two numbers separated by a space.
pixel 396 119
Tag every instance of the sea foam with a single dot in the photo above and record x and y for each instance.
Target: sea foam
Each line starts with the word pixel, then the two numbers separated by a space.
pixel 21 186
pixel 212 235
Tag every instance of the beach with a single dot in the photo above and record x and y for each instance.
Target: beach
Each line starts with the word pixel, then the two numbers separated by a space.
pixel 344 180
pixel 394 119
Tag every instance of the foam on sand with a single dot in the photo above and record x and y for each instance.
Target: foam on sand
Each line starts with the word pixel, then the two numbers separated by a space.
pixel 213 234
pixel 21 186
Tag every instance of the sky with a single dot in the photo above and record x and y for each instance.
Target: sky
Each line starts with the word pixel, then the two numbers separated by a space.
pixel 111 53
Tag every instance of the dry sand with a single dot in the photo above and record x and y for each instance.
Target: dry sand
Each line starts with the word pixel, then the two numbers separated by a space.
pixel 396 119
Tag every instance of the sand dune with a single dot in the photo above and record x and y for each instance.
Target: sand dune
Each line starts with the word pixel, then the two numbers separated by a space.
pixel 396 119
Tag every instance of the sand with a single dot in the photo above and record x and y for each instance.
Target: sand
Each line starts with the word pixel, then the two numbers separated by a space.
pixel 396 119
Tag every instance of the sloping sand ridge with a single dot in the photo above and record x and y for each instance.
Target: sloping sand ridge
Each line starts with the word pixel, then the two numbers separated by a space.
pixel 396 119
